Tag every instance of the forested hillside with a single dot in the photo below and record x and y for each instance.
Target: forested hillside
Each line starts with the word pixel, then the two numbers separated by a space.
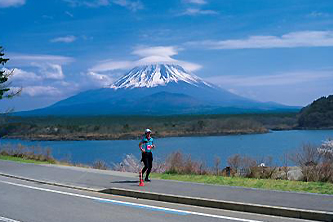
pixel 319 114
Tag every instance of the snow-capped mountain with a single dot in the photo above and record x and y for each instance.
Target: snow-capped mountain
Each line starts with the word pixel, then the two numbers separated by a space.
pixel 156 75
pixel 159 89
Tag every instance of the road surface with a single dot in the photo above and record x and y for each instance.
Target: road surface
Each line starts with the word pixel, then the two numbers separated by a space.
pixel 22 201
pixel 99 179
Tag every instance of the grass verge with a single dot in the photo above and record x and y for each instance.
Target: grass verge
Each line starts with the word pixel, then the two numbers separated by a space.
pixel 270 184
pixel 282 185
pixel 23 160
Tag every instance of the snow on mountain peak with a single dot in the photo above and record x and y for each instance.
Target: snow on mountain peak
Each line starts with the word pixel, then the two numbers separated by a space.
pixel 156 75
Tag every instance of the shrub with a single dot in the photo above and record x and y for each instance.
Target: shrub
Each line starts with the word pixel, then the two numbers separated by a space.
pixel 285 166
pixel 217 162
pixel 100 164
pixel 129 164
pixel 176 163
pixel 315 164
pixel 235 161
pixel 246 166
pixel 265 169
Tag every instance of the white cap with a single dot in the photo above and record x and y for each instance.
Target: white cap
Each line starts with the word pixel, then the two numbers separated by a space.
pixel 147 131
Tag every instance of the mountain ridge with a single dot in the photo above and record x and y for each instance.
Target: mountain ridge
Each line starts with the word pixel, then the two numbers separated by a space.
pixel 160 89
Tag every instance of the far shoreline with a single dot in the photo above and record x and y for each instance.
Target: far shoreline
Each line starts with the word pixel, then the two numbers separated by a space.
pixel 104 138
pixel 95 128
pixel 134 137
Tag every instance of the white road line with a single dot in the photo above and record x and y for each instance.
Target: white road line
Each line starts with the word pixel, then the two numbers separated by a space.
pixel 8 220
pixel 182 212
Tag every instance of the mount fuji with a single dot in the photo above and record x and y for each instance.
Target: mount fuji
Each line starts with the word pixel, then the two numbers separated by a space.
pixel 157 89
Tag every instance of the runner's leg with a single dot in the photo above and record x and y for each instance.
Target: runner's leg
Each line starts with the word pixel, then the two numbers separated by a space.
pixel 150 164
pixel 145 162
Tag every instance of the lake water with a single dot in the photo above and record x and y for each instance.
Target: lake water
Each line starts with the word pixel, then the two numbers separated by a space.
pixel 204 148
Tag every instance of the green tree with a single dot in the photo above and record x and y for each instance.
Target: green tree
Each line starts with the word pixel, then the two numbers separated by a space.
pixel 5 90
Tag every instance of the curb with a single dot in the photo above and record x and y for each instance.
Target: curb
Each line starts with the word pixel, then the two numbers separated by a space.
pixel 226 205
pixel 202 202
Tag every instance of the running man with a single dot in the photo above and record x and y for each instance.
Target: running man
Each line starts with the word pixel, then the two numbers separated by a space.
pixel 146 145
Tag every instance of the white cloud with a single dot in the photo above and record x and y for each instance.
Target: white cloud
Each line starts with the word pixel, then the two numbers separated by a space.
pixel 47 17
pixel 22 75
pixel 150 55
pixel 69 14
pixel 27 80
pixel 41 75
pixel 109 65
pixel 156 51
pixel 197 11
pixel 41 91
pixel 189 66
pixel 97 3
pixel 161 59
pixel 51 71
pixel 198 2
pixel 28 60
pixel 316 14
pixel 65 39
pixel 48 80
pixel 289 40
pixel 11 3
pixel 42 66
pixel 100 80
pixel 88 3
pixel 282 79
pixel 194 8
pixel 45 66
pixel 133 5
pixel 154 59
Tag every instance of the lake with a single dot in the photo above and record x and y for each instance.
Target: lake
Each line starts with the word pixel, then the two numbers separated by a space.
pixel 203 148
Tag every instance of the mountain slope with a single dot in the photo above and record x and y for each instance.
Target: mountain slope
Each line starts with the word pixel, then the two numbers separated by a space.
pixel 155 89
pixel 319 114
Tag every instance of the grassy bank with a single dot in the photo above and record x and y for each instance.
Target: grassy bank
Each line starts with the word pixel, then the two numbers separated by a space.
pixel 268 184
pixel 24 160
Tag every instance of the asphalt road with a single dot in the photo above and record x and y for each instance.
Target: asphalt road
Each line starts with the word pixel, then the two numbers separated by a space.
pixel 22 201
pixel 100 180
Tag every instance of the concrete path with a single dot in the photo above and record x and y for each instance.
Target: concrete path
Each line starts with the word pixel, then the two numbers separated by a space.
pixel 98 179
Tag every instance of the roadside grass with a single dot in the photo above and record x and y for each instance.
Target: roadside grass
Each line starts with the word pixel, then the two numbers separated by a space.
pixel 24 160
pixel 269 184
pixel 96 165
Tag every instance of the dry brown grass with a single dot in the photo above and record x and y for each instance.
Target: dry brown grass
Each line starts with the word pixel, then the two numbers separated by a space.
pixel 28 152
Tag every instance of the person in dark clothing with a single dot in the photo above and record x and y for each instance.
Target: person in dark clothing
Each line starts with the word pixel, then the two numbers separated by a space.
pixel 146 145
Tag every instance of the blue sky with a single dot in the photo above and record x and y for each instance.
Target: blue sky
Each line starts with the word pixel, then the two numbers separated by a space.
pixel 276 50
